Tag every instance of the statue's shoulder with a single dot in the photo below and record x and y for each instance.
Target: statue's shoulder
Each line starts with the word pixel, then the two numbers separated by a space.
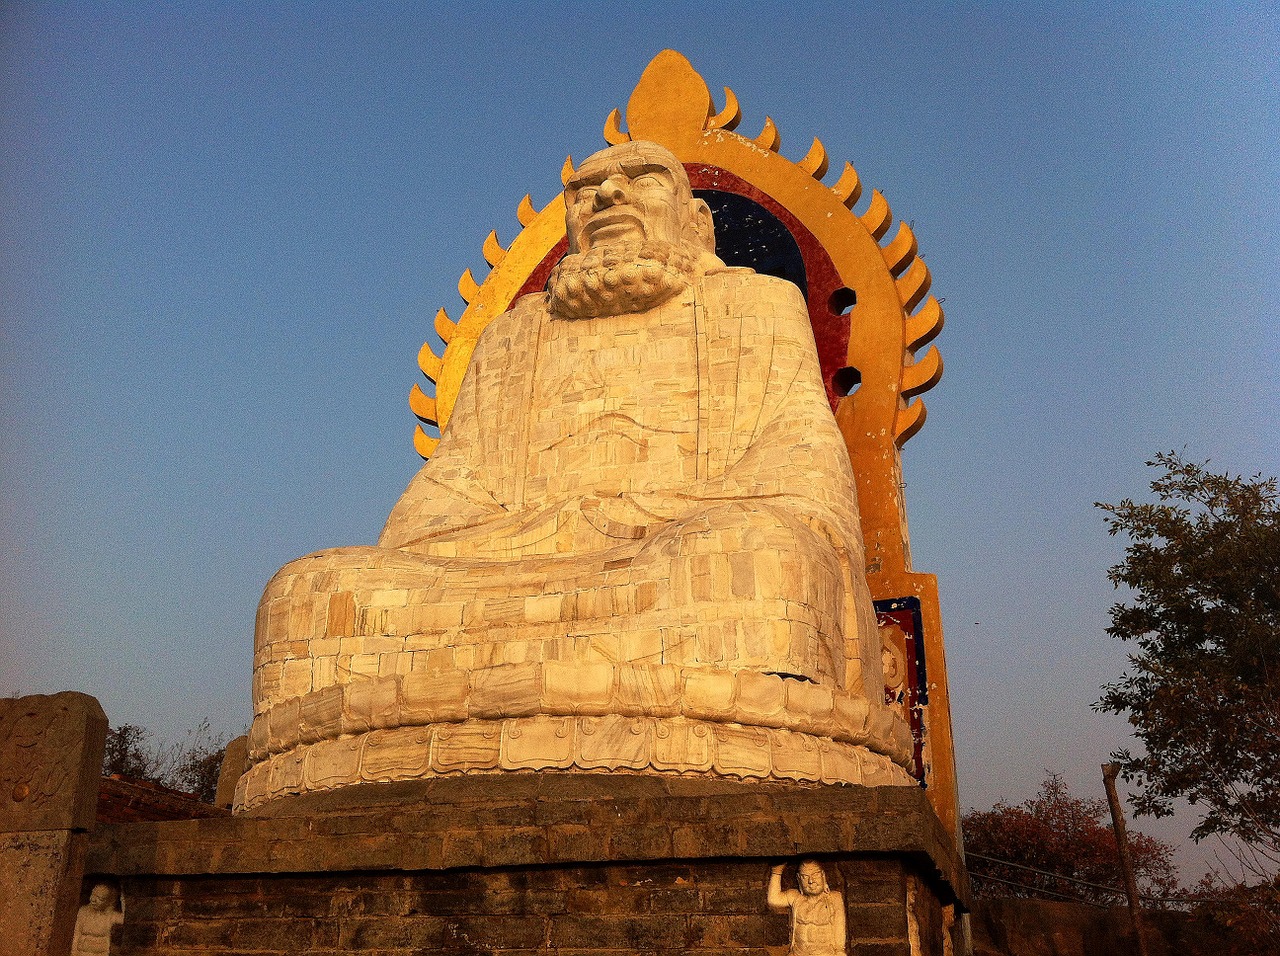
pixel 746 290
pixel 523 316
pixel 530 301
pixel 737 279
pixel 525 308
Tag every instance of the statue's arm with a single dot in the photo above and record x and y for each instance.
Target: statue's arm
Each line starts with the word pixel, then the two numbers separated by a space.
pixel 452 489
pixel 788 428
pixel 431 507
pixel 839 920
pixel 777 897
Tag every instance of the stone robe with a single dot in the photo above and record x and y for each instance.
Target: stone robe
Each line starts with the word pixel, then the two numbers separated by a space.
pixel 638 494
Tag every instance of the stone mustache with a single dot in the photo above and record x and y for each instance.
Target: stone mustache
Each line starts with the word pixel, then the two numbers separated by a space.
pixel 636 547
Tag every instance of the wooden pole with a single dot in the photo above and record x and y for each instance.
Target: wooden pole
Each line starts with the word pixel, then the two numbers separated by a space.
pixel 1109 772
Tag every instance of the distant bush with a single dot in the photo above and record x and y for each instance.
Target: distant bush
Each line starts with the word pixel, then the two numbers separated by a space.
pixel 191 765
pixel 1065 838
pixel 1253 912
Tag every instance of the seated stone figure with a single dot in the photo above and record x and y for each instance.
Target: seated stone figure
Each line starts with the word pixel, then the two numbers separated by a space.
pixel 636 546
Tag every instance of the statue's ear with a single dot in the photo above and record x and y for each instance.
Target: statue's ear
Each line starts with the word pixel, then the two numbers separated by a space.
pixel 700 228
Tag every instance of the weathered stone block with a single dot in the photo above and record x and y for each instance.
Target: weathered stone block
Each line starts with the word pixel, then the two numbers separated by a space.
pixel 50 764
pixel 50 761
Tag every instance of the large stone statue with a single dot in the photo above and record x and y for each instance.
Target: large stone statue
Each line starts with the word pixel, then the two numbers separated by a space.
pixel 636 546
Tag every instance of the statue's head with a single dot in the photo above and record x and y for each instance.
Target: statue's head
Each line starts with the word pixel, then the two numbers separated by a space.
pixel 812 880
pixel 102 896
pixel 637 237
pixel 634 192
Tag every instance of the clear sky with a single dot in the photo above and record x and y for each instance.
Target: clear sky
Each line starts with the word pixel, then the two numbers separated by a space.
pixel 225 228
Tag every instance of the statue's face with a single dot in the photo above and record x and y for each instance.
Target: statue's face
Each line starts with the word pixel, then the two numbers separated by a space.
pixel 632 192
pixel 811 880
pixel 101 897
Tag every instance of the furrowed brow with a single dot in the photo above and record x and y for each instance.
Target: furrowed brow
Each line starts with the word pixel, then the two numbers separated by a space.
pixel 594 177
pixel 639 169
pixel 589 178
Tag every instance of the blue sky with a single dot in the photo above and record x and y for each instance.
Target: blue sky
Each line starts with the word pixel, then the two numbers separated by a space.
pixel 224 230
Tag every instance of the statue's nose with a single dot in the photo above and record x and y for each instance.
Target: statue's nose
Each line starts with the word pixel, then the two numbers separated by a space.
pixel 610 193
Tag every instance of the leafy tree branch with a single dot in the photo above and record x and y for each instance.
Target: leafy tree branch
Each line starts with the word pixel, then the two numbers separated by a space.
pixel 1201 691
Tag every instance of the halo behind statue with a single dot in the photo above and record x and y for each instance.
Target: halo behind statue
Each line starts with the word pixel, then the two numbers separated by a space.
pixel 869 304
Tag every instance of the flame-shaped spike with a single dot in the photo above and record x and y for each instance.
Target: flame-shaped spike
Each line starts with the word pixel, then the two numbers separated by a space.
pixel 566 170
pixel 429 362
pixel 423 405
pixel 423 443
pixel 848 187
pixel 878 216
pixel 923 374
pixel 670 96
pixel 769 137
pixel 445 326
pixel 730 116
pixel 467 286
pixel 913 285
pixel 899 253
pixel 924 325
pixel 908 421
pixel 493 251
pixel 815 162
pixel 525 213
pixel 613 132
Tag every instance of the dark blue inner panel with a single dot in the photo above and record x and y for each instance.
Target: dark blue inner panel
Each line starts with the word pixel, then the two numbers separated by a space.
pixel 747 234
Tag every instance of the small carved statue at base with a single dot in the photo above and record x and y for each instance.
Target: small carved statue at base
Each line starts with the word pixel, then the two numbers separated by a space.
pixel 817 911
pixel 95 921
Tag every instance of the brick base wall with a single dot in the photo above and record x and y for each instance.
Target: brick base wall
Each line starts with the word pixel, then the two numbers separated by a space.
pixel 706 908
pixel 562 866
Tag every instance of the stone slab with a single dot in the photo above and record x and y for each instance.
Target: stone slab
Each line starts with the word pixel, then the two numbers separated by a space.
pixel 50 761
pixel 41 891
pixel 599 864
pixel 235 760
pixel 50 764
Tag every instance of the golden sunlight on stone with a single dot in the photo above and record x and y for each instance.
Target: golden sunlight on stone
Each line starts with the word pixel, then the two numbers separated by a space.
pixel 636 547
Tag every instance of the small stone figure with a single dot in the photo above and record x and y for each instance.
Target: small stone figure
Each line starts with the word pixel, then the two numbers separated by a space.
pixel 817 911
pixel 95 921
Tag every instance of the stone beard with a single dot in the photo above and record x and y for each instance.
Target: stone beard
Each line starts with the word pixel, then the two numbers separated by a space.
pixel 635 548
pixel 620 278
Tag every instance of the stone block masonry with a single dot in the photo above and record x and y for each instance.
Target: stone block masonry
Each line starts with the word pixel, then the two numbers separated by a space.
pixel 670 907
pixel 535 863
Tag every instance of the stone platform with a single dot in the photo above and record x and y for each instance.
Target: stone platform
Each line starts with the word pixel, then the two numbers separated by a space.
pixel 545 863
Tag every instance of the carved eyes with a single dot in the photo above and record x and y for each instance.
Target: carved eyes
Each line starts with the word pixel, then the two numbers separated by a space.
pixel 645 181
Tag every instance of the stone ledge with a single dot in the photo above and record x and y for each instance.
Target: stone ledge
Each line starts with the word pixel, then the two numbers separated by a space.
pixel 538 819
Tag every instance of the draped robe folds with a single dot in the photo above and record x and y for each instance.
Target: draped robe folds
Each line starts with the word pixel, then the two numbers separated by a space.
pixel 666 490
